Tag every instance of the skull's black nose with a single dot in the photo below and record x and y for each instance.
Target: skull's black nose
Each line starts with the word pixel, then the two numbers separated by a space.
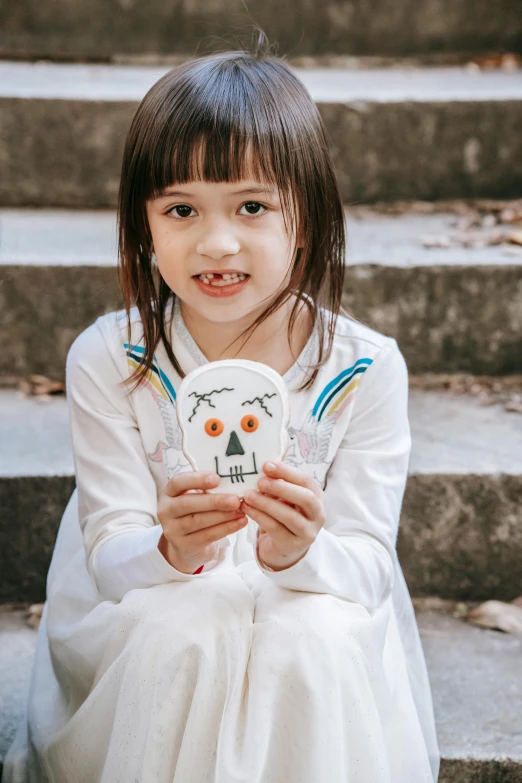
pixel 234 445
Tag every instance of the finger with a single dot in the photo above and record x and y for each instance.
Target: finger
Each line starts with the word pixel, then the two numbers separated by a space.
pixel 291 474
pixel 268 524
pixel 194 479
pixel 280 512
pixel 192 524
pixel 201 538
pixel 292 493
pixel 191 503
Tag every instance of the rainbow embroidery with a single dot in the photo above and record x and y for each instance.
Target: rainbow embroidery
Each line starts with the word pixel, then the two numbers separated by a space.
pixel 338 393
pixel 156 376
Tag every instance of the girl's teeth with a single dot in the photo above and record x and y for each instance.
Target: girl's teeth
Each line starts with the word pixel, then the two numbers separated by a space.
pixel 227 279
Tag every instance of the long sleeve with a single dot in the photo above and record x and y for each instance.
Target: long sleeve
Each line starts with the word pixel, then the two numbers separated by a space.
pixel 117 495
pixel 353 554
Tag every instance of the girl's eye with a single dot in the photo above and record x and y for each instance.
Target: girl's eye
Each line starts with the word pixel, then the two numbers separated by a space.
pixel 181 211
pixel 249 423
pixel 253 205
pixel 214 427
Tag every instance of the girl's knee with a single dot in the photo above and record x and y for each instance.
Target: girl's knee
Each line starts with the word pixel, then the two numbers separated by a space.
pixel 313 623
pixel 197 610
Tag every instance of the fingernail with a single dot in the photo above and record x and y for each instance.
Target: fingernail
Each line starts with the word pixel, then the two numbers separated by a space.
pixel 270 467
pixel 211 479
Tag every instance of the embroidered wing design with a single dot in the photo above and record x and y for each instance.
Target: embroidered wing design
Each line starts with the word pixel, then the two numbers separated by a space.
pixel 164 395
pixel 314 438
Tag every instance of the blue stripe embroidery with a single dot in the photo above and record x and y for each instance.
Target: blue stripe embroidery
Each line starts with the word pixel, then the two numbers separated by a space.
pixel 350 372
pixel 165 382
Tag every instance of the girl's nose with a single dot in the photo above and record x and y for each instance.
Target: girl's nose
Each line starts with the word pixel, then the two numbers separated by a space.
pixel 218 244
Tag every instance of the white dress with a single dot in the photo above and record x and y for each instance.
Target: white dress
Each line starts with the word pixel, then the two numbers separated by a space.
pixel 238 674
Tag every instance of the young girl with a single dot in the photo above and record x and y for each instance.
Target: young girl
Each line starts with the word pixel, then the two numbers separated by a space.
pixel 188 636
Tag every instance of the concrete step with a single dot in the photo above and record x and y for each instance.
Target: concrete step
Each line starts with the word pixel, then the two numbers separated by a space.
pixel 101 30
pixel 58 271
pixel 426 133
pixel 474 674
pixel 461 525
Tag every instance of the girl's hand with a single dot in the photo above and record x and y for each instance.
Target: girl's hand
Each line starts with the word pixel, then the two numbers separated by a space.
pixel 194 521
pixel 290 510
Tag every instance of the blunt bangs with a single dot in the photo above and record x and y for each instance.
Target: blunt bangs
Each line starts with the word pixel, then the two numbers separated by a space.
pixel 225 122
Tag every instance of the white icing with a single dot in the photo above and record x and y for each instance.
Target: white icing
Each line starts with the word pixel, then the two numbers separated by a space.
pixel 250 404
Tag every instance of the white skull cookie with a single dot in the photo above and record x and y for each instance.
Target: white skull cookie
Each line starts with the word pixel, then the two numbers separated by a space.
pixel 234 416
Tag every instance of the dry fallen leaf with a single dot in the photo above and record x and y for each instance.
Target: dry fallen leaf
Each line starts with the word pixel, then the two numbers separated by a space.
pixel 489 390
pixel 466 236
pixel 34 615
pixel 497 614
pixel 515 237
pixel 433 603
pixel 511 214
pixel 514 404
pixel 507 61
pixel 40 385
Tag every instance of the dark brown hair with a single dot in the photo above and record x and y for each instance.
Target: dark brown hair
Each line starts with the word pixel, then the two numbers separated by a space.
pixel 200 121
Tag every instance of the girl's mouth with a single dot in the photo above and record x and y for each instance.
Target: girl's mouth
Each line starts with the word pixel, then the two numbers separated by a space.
pixel 217 285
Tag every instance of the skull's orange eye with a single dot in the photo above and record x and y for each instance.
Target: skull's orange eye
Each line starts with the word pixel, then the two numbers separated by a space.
pixel 249 423
pixel 214 427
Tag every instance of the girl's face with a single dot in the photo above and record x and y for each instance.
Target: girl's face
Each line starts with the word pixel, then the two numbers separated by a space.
pixel 208 234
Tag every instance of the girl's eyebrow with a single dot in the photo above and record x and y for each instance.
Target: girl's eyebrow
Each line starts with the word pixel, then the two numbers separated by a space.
pixel 242 192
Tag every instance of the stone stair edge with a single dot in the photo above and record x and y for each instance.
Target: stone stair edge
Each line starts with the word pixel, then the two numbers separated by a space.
pixel 409 274
pixel 123 82
pixel 454 433
pixel 459 533
pixel 444 123
pixel 393 235
pixel 430 310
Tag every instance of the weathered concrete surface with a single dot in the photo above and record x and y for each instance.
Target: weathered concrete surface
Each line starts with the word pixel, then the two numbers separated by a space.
pixel 36 482
pixel 30 511
pixel 46 308
pixel 446 319
pixel 461 525
pixel 431 311
pixel 100 29
pixel 88 82
pixel 460 534
pixel 17 647
pixel 476 682
pixel 454 435
pixel 475 679
pixel 54 237
pixel 395 134
pixel 58 273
